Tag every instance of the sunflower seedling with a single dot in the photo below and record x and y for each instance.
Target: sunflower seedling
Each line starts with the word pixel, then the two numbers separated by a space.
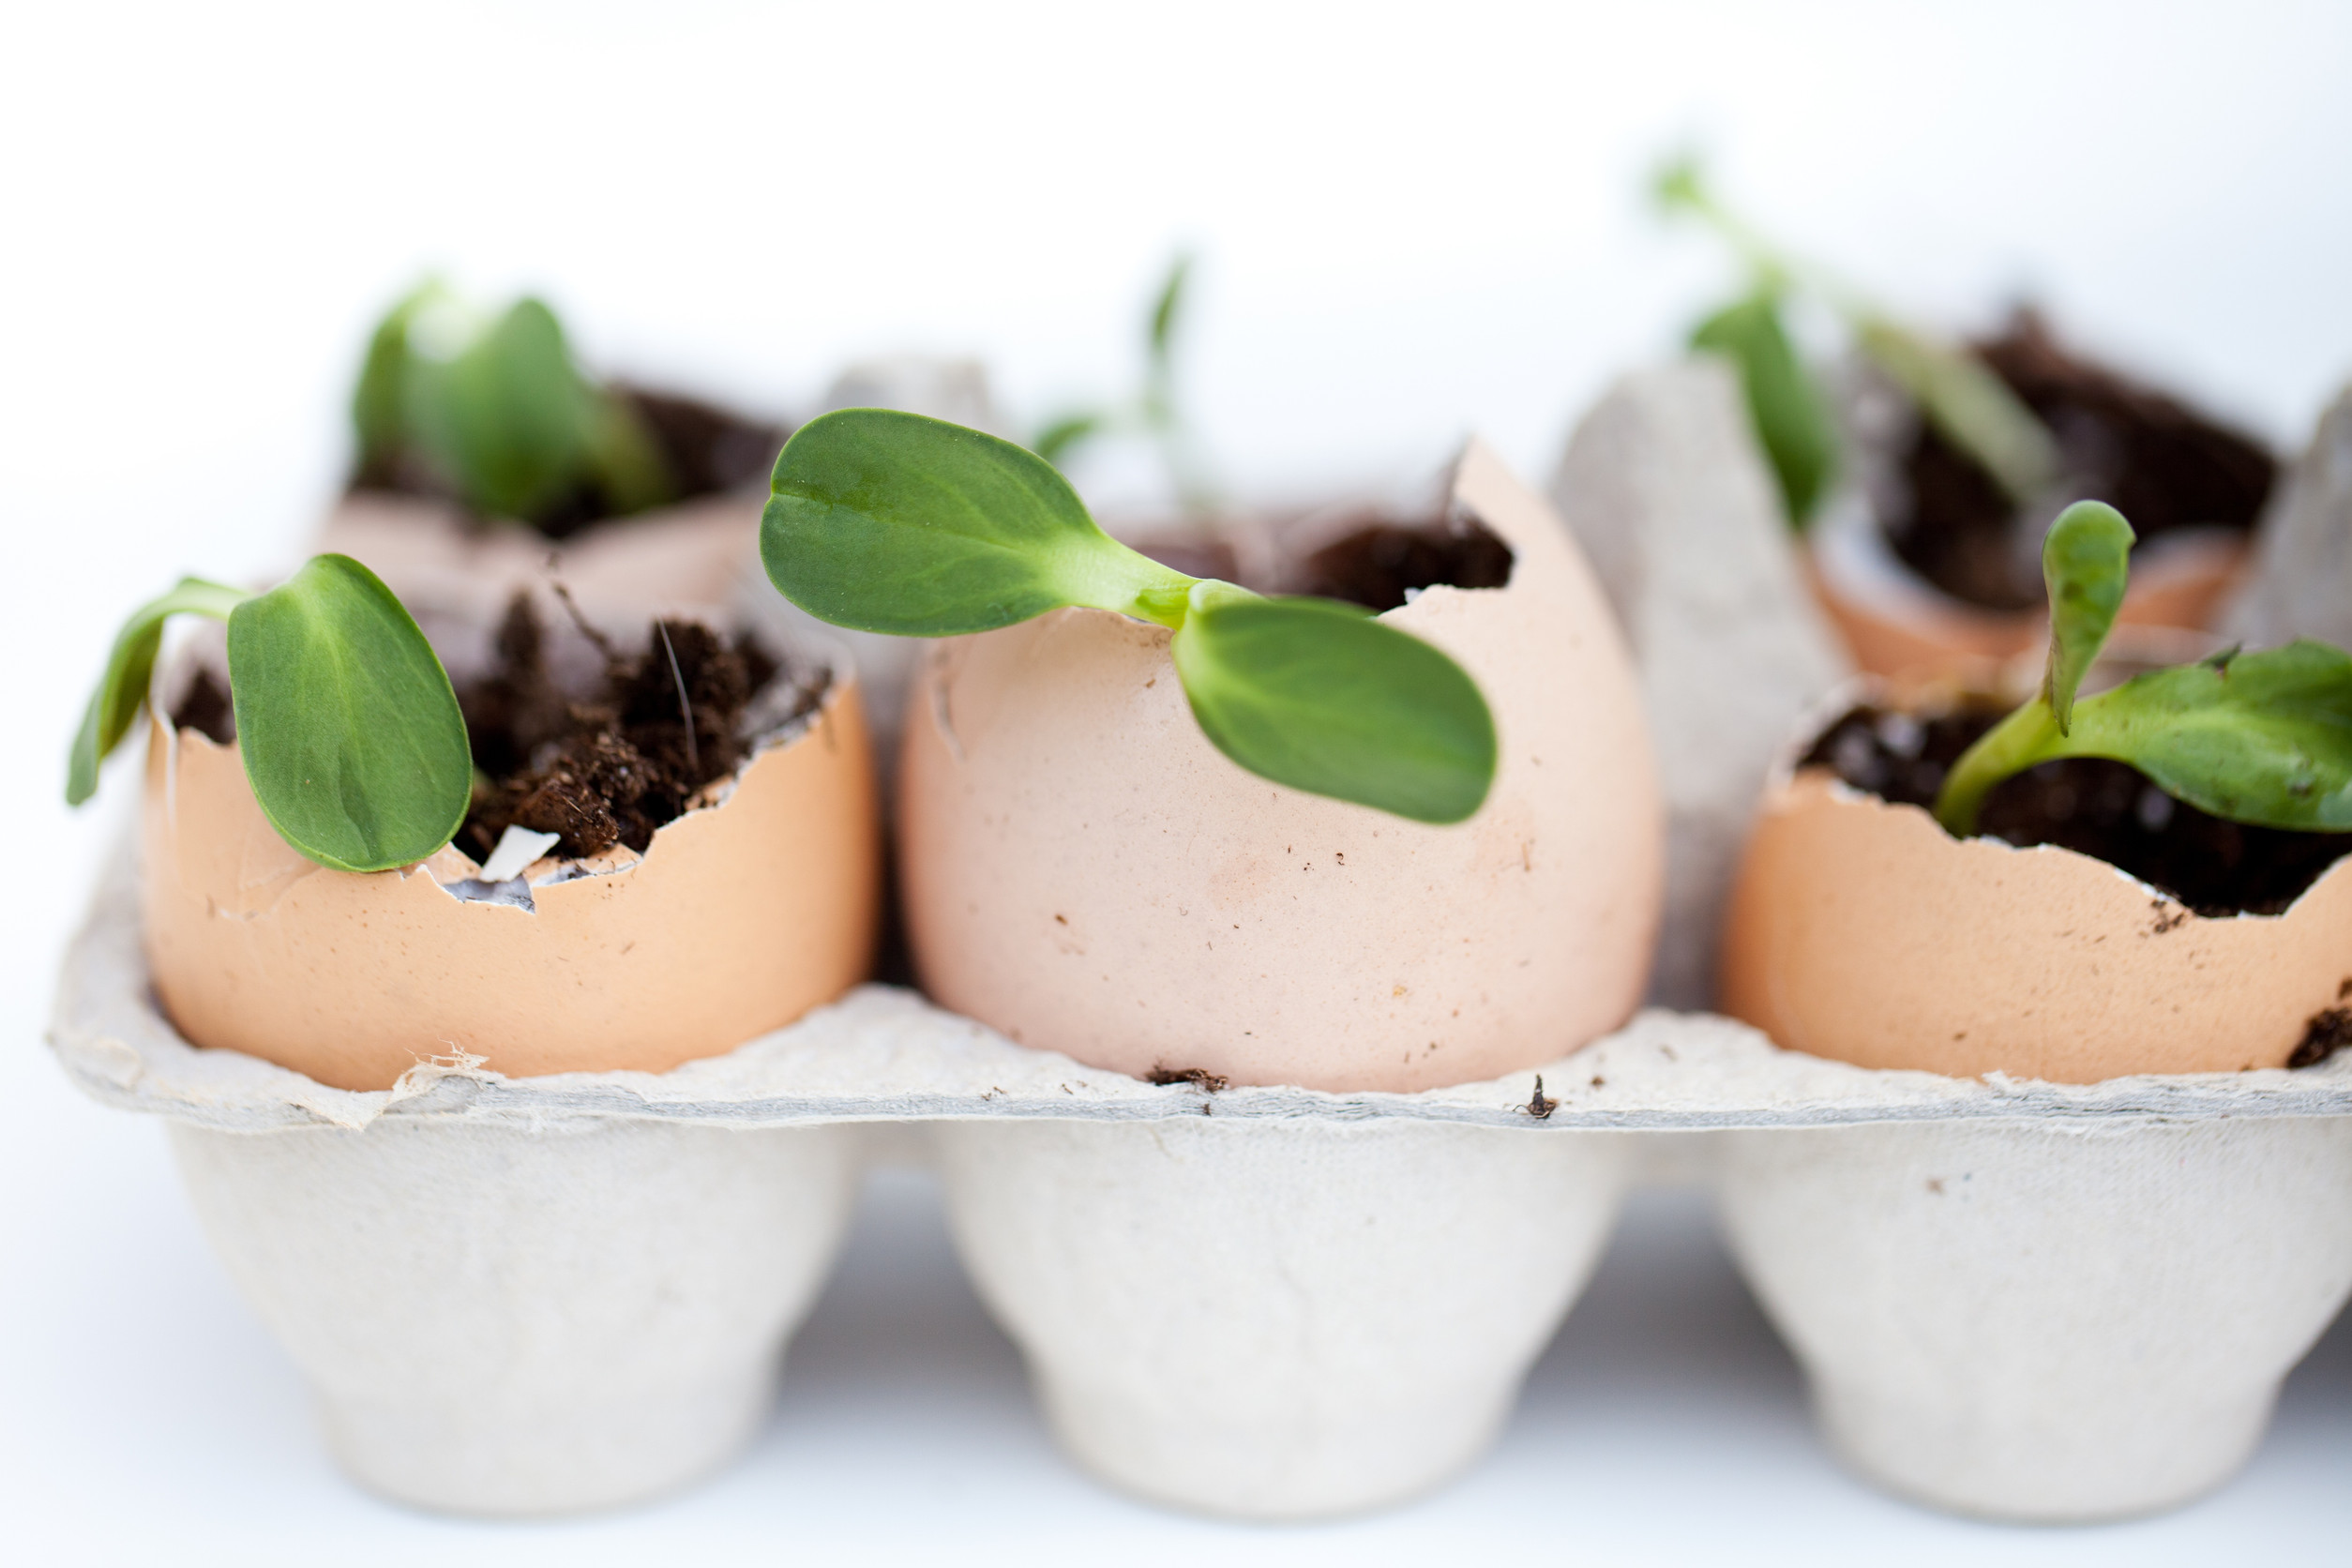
pixel 2263 739
pixel 494 412
pixel 351 735
pixel 1155 411
pixel 1969 405
pixel 892 522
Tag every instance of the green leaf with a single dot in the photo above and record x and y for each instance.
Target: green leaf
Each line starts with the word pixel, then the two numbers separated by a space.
pixel 893 522
pixel 379 412
pixel 351 735
pixel 2086 560
pixel 625 459
pixel 2264 738
pixel 1791 416
pixel 1322 697
pixel 129 669
pixel 1973 408
pixel 1161 335
pixel 1067 434
pixel 509 421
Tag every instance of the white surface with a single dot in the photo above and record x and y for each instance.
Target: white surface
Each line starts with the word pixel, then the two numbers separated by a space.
pixel 1413 224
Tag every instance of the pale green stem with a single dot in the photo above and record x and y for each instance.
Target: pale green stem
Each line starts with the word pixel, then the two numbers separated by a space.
pixel 2027 736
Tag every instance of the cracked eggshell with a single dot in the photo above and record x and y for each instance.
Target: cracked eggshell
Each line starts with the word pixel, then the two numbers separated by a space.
pixel 1899 625
pixel 1085 873
pixel 740 916
pixel 1862 931
pixel 694 554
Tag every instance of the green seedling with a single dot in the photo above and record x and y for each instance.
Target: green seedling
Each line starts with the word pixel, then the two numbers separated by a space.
pixel 494 412
pixel 351 735
pixel 1154 413
pixel 2263 739
pixel 1969 405
pixel 892 522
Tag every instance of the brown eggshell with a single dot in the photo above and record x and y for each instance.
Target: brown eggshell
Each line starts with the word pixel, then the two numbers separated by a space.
pixel 739 917
pixel 1914 631
pixel 1084 872
pixel 679 557
pixel 1863 932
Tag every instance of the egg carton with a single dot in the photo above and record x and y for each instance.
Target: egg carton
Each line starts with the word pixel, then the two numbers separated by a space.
pixel 514 1296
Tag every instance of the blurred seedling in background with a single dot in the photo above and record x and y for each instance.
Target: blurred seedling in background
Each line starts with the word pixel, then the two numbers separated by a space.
pixel 492 411
pixel 351 735
pixel 891 523
pixel 2263 739
pixel 1965 401
pixel 1154 414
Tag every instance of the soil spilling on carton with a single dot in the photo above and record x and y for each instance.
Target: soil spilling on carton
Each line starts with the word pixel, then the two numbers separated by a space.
pixel 705 450
pixel 2108 810
pixel 663 725
pixel 2161 463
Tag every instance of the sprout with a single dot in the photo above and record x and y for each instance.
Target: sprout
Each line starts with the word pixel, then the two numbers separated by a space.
pixel 1968 405
pixel 892 522
pixel 351 735
pixel 2263 739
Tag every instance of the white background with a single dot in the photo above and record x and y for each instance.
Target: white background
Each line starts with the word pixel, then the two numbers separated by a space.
pixel 1413 222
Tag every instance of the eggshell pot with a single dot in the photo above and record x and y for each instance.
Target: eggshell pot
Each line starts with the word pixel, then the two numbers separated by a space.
pixel 688 556
pixel 1085 873
pixel 740 916
pixel 2054 1321
pixel 1896 623
pixel 510 1319
pixel 1277 1319
pixel 1863 932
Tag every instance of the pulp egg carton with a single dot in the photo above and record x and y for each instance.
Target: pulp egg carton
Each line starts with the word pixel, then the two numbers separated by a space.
pixel 519 1296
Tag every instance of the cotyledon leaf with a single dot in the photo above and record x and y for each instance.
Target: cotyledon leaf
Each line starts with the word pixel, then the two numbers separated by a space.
pixel 351 734
pixel 129 669
pixel 893 522
pixel 1322 697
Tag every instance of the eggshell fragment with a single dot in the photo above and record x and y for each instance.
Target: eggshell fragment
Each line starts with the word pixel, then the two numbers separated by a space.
pixel 1084 872
pixel 740 916
pixel 1861 931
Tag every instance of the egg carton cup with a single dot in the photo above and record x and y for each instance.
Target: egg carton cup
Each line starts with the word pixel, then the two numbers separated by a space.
pixel 550 1294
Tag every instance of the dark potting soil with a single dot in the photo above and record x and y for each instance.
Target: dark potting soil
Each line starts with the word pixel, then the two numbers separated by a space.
pixel 707 451
pixel 1374 564
pixel 610 770
pixel 601 772
pixel 2161 463
pixel 1377 565
pixel 2108 810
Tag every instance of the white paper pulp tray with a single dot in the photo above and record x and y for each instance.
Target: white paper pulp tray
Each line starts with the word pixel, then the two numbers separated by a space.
pixel 534 1296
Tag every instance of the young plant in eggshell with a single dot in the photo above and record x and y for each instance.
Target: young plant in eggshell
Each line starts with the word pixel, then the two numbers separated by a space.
pixel 484 451
pixel 1169 826
pixel 1874 932
pixel 301 889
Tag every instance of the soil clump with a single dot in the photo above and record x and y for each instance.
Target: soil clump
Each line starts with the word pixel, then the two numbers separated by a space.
pixel 2107 811
pixel 2161 463
pixel 705 450
pixel 662 726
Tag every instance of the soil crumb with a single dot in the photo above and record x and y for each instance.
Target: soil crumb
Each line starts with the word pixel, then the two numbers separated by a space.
pixel 1379 565
pixel 1199 1077
pixel 611 769
pixel 2162 464
pixel 2325 1033
pixel 705 450
pixel 2108 810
